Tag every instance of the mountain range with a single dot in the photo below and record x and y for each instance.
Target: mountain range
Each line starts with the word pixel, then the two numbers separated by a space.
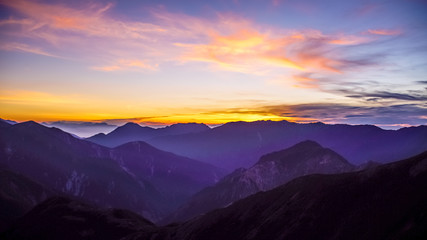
pixel 135 176
pixel 131 132
pixel 384 202
pixel 302 186
pixel 272 170
pixel 240 144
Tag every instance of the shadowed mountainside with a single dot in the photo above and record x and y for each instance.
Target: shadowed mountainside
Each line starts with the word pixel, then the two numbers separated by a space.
pixel 18 195
pixel 63 218
pixel 384 202
pixel 130 177
pixel 270 171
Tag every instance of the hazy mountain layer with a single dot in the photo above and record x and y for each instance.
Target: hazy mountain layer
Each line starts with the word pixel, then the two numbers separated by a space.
pixel 131 132
pixel 241 144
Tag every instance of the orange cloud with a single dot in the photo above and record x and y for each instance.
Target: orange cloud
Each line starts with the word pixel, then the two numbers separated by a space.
pixel 250 49
pixel 123 64
pixel 305 81
pixel 228 42
pixel 385 32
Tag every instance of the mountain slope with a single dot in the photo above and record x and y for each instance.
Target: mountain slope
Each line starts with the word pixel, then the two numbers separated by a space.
pixel 270 171
pixel 386 202
pixel 78 168
pixel 104 176
pixel 175 177
pixel 131 132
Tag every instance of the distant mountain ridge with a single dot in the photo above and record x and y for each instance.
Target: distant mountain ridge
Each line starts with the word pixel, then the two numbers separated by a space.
pixel 131 132
pixel 241 144
pixel 107 177
pixel 270 171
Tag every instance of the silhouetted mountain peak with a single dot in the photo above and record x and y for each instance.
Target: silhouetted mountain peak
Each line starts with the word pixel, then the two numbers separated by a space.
pixel 30 127
pixel 130 128
pixel 131 125
pixel 30 124
pixel 189 125
pixel 255 123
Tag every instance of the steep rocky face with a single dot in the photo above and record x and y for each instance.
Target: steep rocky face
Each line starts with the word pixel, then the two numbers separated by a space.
pixel 63 218
pixel 270 171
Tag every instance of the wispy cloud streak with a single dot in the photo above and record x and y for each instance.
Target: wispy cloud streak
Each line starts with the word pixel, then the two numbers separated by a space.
pixel 228 42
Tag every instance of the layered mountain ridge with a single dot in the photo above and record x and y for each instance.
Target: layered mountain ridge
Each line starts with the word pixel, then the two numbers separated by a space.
pixel 123 177
pixel 240 144
pixel 270 171
pixel 384 202
pixel 131 132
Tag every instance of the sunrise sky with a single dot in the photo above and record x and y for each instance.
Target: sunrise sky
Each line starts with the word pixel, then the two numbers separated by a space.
pixel 162 62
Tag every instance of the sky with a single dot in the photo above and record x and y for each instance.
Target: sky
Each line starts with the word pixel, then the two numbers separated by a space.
pixel 164 62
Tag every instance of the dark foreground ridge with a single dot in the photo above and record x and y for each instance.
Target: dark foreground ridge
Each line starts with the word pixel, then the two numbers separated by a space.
pixel 63 218
pixel 384 202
